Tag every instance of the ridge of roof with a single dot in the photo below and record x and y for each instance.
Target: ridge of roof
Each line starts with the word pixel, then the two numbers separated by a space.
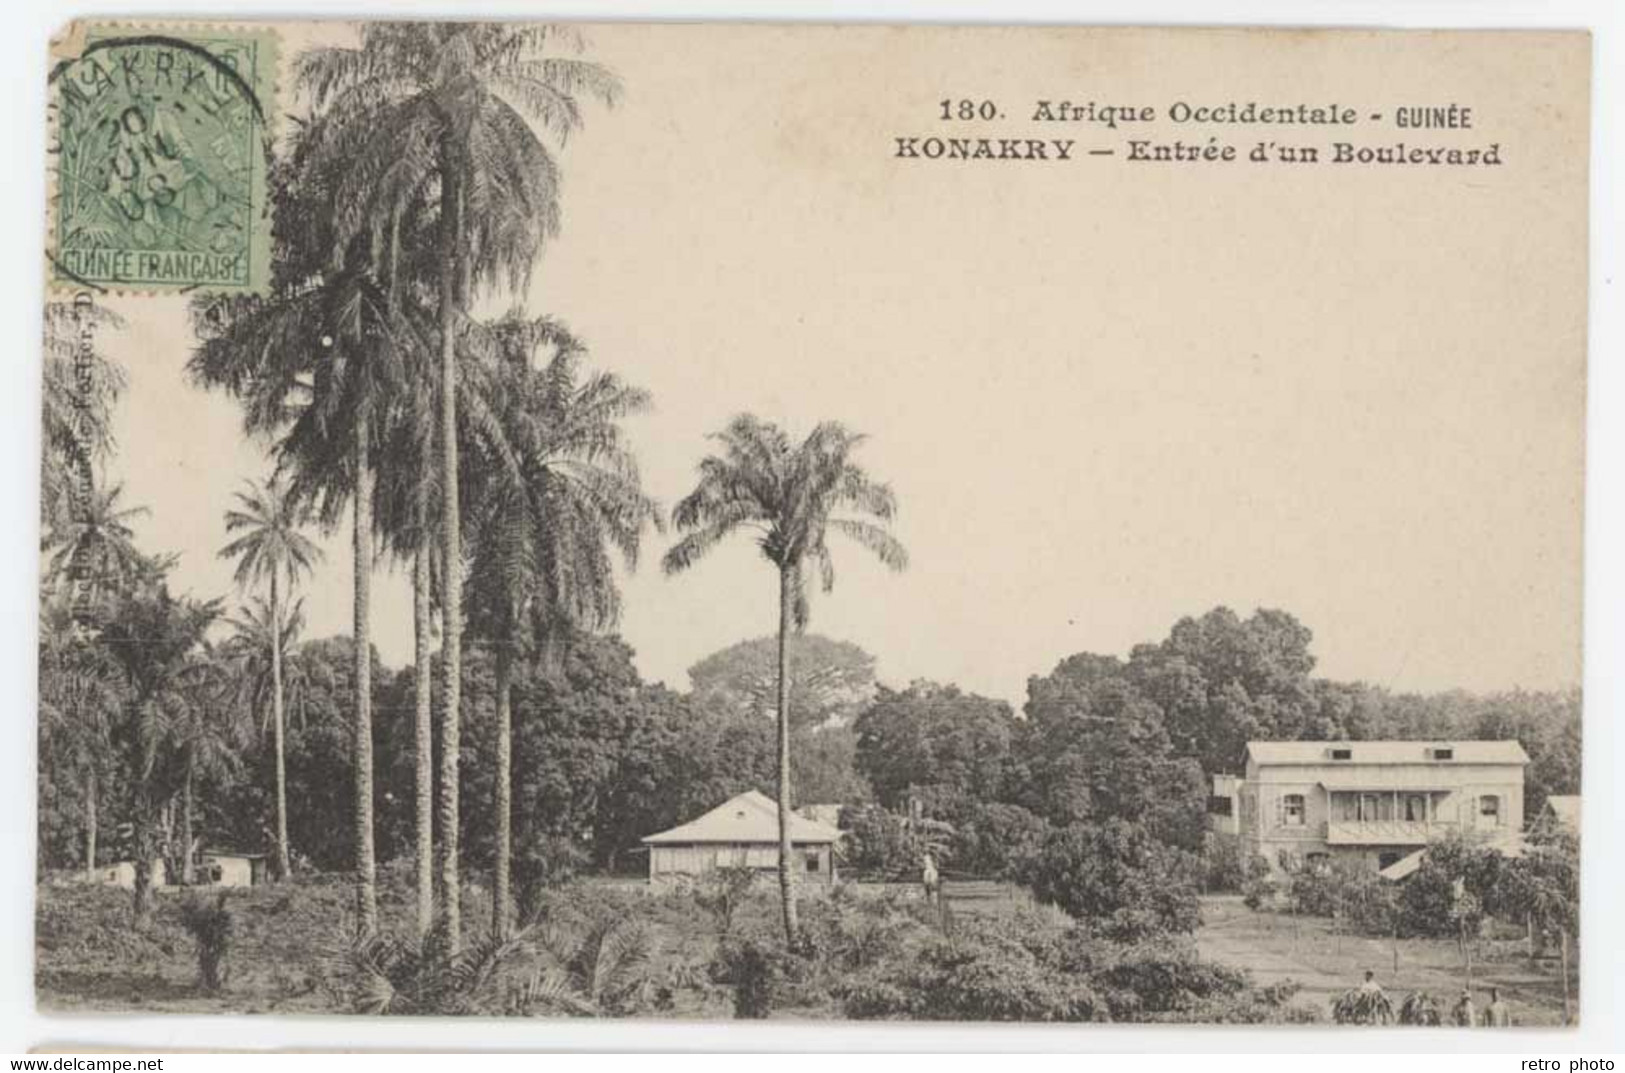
pixel 748 817
pixel 1387 752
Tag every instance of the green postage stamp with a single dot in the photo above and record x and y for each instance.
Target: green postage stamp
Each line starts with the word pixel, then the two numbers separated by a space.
pixel 160 145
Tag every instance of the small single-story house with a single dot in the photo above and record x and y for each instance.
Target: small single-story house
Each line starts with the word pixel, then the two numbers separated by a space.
pixel 122 874
pixel 229 868
pixel 742 833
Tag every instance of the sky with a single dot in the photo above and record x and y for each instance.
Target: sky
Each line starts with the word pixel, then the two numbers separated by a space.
pixel 1106 397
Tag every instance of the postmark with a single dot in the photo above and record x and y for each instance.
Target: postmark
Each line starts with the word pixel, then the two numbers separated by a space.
pixel 160 146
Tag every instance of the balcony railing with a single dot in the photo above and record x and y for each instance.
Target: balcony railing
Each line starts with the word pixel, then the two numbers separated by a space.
pixel 1385 832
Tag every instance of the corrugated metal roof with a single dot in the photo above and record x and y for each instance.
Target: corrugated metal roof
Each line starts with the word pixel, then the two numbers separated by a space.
pixel 750 817
pixel 1386 752
pixel 1404 866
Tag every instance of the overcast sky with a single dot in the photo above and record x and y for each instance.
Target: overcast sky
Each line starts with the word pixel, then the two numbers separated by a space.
pixel 1106 397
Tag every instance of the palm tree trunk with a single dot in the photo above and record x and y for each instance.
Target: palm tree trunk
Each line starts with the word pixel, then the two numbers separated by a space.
pixel 90 825
pixel 787 875
pixel 365 867
pixel 422 610
pixel 187 874
pixel 502 896
pixel 451 645
pixel 276 718
pixel 144 850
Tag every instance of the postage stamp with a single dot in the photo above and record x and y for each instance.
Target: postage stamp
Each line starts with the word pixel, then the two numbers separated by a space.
pixel 161 142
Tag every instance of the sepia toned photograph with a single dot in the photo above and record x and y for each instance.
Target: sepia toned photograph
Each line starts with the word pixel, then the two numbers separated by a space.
pixel 722 521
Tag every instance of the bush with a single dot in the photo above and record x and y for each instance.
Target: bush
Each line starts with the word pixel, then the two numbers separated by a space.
pixel 210 928
pixel 1121 882
pixel 1222 863
pixel 1258 887
pixel 982 973
pixel 1164 979
pixel 753 971
pixel 721 892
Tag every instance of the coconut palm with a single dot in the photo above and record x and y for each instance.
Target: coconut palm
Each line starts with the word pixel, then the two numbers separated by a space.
pixel 546 521
pixel 790 497
pixel 270 550
pixel 437 117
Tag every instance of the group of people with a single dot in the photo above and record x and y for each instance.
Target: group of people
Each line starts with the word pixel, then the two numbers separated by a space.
pixel 1464 1013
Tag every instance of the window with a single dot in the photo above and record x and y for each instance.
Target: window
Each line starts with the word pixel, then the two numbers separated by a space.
pixel 1292 810
pixel 1416 808
pixel 1489 807
pixel 1387 860
pixel 1342 754
pixel 1218 806
pixel 813 862
pixel 1444 754
pixel 1318 863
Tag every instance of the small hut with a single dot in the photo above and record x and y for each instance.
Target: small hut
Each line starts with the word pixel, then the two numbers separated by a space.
pixel 229 868
pixel 742 832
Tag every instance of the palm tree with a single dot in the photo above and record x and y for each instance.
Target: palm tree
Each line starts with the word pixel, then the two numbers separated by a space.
pixel 270 550
pixel 154 638
pixel 209 735
pixel 546 519
pixel 94 549
pixel 437 117
pixel 79 699
pixel 791 496
pixel 316 367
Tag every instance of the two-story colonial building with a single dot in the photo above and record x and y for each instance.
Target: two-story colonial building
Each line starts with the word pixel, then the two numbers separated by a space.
pixel 1382 802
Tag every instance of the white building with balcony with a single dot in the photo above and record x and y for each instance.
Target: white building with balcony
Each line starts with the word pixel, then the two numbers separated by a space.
pixel 1382 802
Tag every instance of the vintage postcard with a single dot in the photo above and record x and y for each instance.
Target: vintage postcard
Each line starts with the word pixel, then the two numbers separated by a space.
pixel 813 522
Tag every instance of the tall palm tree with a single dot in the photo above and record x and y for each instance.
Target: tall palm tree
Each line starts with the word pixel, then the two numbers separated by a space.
pixel 545 521
pixel 270 550
pixel 791 497
pixel 316 366
pixel 439 118
pixel 79 700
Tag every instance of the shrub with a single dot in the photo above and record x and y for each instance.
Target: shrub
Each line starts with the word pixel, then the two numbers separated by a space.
pixel 982 973
pixel 1222 863
pixel 753 971
pixel 721 892
pixel 1123 883
pixel 1313 892
pixel 1259 887
pixel 1163 979
pixel 210 927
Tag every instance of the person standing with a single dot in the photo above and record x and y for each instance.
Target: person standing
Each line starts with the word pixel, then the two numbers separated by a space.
pixel 1497 1014
pixel 1464 1014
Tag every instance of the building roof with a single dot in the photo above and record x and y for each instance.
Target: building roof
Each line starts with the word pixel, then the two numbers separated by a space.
pixel 750 817
pixel 1566 807
pixel 1385 752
